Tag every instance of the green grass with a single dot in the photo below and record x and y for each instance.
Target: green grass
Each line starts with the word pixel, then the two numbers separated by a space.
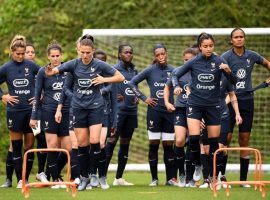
pixel 141 190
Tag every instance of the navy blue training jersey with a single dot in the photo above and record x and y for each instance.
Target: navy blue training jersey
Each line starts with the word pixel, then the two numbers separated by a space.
pixel 128 105
pixel 67 92
pixel 20 79
pixel 205 79
pixel 51 88
pixel 242 67
pixel 225 88
pixel 184 82
pixel 156 76
pixel 85 94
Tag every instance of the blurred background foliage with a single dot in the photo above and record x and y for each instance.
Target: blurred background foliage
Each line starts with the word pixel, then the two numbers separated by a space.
pixel 42 21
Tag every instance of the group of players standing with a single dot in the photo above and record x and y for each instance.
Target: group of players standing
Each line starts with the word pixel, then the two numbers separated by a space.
pixel 85 105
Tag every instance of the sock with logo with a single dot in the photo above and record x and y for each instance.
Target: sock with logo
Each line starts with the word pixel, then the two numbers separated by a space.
pixel 29 165
pixel 224 164
pixel 179 158
pixel 42 156
pixel 190 168
pixel 102 163
pixel 75 167
pixel 122 159
pixel 205 165
pixel 61 161
pixel 52 165
pixel 9 165
pixel 195 149
pixel 153 160
pixel 83 155
pixel 17 157
pixel 95 154
pixel 109 153
pixel 213 143
pixel 168 157
pixel 244 164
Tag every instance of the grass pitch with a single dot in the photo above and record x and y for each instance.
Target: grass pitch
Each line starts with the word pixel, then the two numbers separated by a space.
pixel 141 190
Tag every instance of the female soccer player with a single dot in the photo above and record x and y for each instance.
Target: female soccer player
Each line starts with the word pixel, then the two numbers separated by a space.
pixel 108 92
pixel 127 113
pixel 51 87
pixel 87 101
pixel 203 102
pixel 242 61
pixel 19 74
pixel 30 54
pixel 159 120
pixel 41 141
pixel 180 120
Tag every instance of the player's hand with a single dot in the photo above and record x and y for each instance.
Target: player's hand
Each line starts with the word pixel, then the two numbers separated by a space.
pixel 238 119
pixel 136 100
pixel 151 101
pixel 177 90
pixel 33 123
pixel 225 67
pixel 58 116
pixel 98 80
pixel 7 98
pixel 202 124
pixel 49 70
pixel 31 100
pixel 113 131
pixel 120 97
pixel 170 107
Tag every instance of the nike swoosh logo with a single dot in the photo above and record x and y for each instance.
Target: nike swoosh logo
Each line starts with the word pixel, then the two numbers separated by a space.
pixel 52 165
pixel 16 158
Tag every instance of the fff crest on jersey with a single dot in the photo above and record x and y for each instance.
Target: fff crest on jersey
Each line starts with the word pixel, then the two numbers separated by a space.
pixel 169 74
pixel 26 71
pixel 213 65
pixel 92 69
pixel 248 62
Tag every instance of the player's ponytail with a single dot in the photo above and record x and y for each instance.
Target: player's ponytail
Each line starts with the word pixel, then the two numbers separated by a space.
pixel 54 45
pixel 17 42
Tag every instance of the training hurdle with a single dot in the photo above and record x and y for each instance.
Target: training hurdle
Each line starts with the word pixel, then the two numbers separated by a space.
pixel 257 173
pixel 25 187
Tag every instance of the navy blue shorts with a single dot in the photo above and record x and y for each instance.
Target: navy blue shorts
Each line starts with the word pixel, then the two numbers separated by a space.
pixel 210 114
pixel 225 129
pixel 106 121
pixel 180 117
pixel 83 118
pixel 126 125
pixel 49 125
pixel 18 121
pixel 127 121
pixel 158 121
pixel 246 109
